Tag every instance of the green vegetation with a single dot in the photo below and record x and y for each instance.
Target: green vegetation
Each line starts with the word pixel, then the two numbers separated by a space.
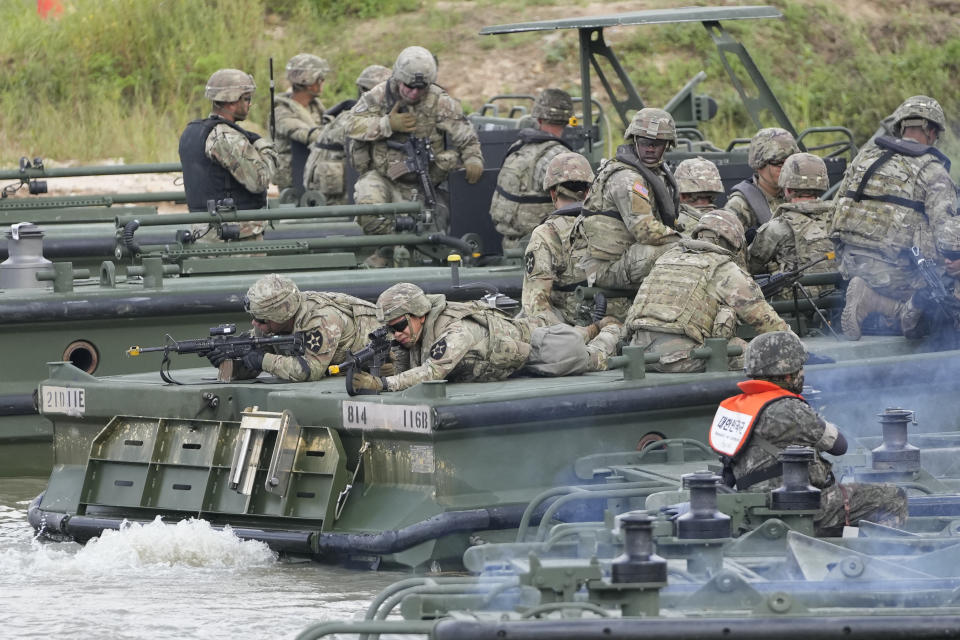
pixel 120 78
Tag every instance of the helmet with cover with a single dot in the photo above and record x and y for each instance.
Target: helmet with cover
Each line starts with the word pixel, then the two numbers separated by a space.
pixel 804 172
pixel 372 76
pixel 698 175
pixel 770 145
pixel 554 106
pixel 720 227
pixel 304 69
pixel 415 67
pixel 918 111
pixel 570 174
pixel 273 297
pixel 401 299
pixel 229 85
pixel 655 124
pixel 776 353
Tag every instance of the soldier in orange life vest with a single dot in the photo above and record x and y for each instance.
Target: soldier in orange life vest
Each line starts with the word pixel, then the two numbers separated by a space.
pixel 751 429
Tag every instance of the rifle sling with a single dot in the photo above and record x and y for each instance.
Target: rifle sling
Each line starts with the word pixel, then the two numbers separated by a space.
pixel 523 199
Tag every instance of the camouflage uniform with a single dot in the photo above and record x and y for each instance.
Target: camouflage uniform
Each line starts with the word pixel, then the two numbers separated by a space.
pixel 384 177
pixel 297 123
pixel 696 175
pixel 630 211
pixel 798 232
pixel 696 291
pixel 222 160
pixel 331 323
pixel 753 205
pixel 922 315
pixel 520 203
pixel 471 342
pixel 791 421
pixel 324 170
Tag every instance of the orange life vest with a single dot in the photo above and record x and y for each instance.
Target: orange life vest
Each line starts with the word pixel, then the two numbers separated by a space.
pixel 735 417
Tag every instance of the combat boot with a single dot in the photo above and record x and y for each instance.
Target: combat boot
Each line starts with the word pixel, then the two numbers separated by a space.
pixel 861 301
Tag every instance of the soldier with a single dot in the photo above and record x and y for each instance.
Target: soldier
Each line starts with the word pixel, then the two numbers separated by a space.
pixel 324 171
pixel 773 416
pixel 698 181
pixel 299 115
pixel 697 291
pixel 754 200
pixel 630 213
pixel 222 160
pixel 797 234
pixel 893 195
pixel 331 323
pixel 465 342
pixel 923 315
pixel 409 104
pixel 520 203
pixel 552 257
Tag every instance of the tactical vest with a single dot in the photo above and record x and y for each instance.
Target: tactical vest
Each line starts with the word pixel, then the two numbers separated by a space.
pixel 203 178
pixel 733 424
pixel 674 297
pixel 392 162
pixel 756 199
pixel 561 222
pixel 879 211
pixel 810 239
pixel 519 204
pixel 324 169
pixel 603 224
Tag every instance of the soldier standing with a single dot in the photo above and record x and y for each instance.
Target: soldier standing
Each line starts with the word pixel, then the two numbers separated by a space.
pixel 797 234
pixel 695 291
pixel 553 254
pixel 754 200
pixel 299 116
pixel 407 105
pixel 472 342
pixel 773 416
pixel 324 171
pixel 630 213
pixel 222 160
pixel 520 203
pixel 699 183
pixel 331 323
pixel 894 194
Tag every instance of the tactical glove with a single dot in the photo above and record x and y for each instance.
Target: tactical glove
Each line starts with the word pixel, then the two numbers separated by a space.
pixel 363 380
pixel 216 357
pixel 474 168
pixel 402 122
pixel 253 360
pixel 387 369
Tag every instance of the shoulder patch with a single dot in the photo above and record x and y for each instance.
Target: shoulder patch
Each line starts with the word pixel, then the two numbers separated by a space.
pixel 640 189
pixel 315 340
pixel 438 349
pixel 531 261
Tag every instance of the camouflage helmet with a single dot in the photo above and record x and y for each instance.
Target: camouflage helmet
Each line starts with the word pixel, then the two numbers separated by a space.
pixel 698 175
pixel 305 68
pixel 804 171
pixel 554 106
pixel 915 108
pixel 372 76
pixel 227 85
pixel 415 67
pixel 273 297
pixel 568 166
pixel 655 124
pixel 401 299
pixel 724 224
pixel 772 144
pixel 776 353
pixel 948 238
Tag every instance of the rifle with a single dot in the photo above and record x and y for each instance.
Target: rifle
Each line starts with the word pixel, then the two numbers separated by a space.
pixel 222 338
pixel 946 302
pixel 371 357
pixel 418 154
pixel 273 112
pixel 779 281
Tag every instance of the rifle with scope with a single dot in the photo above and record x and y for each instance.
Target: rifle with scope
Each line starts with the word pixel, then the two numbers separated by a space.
pixel 370 358
pixel 222 338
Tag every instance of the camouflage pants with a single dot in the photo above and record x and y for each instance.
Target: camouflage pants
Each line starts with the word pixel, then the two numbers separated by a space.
pixel 374 188
pixel 675 352
pixel 626 272
pixel 850 503
pixel 897 281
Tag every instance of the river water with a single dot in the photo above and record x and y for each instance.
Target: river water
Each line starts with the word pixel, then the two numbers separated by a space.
pixel 162 582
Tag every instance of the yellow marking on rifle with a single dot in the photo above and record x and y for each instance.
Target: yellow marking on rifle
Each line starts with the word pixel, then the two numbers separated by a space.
pixel 830 255
pixel 133 351
pixel 333 369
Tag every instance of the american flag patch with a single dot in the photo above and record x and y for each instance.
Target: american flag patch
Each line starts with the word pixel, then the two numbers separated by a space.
pixel 642 190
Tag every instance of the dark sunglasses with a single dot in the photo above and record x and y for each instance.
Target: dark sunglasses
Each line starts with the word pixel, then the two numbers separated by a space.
pixel 399 325
pixel 259 321
pixel 776 163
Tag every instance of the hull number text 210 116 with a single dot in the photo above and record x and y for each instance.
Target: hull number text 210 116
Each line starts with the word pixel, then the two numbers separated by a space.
pixel 393 417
